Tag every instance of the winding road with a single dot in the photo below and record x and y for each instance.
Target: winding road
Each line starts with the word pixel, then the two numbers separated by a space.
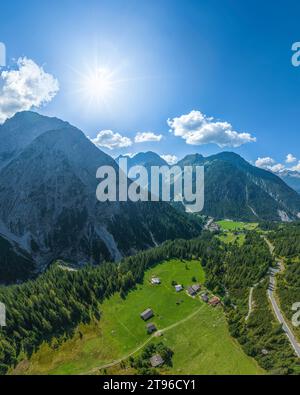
pixel 276 309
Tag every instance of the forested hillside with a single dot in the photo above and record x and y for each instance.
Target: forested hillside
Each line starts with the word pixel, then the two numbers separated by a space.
pixel 287 240
pixel 15 264
pixel 55 303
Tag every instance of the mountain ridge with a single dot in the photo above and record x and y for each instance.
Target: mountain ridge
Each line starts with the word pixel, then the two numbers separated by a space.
pixel 48 202
pixel 236 189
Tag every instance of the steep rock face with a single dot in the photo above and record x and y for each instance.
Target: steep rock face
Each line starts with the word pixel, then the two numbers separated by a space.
pixel 48 203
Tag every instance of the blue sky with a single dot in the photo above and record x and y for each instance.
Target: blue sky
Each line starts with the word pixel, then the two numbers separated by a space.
pixel 230 60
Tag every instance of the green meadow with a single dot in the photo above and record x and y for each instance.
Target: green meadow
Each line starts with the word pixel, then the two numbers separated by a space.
pixel 196 332
pixel 233 231
pixel 236 225
pixel 230 237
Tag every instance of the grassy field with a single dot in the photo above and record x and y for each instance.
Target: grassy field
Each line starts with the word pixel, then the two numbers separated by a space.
pixel 236 226
pixel 233 231
pixel 202 345
pixel 230 237
pixel 196 332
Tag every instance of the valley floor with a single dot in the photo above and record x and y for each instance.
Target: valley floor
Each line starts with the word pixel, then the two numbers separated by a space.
pixel 196 332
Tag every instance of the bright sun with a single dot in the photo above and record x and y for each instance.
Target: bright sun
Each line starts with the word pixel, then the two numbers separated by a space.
pixel 98 84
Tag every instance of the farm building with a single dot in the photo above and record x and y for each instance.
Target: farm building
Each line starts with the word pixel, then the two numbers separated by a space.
pixel 191 291
pixel 145 315
pixel 205 298
pixel 155 280
pixel 156 361
pixel 196 287
pixel 151 328
pixel 214 301
pixel 178 288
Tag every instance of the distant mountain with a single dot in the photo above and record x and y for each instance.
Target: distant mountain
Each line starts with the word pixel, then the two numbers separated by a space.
pixel 291 178
pixel 48 204
pixel 146 159
pixel 237 190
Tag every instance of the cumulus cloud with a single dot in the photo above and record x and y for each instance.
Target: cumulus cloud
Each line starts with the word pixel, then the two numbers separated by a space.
pixel 170 159
pixel 24 87
pixel 264 163
pixel 111 140
pixel 290 158
pixel 270 164
pixel 198 129
pixel 279 167
pixel 146 137
pixel 296 167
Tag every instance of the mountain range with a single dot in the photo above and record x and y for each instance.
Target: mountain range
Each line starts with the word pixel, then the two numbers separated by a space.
pixel 48 205
pixel 49 210
pixel 235 189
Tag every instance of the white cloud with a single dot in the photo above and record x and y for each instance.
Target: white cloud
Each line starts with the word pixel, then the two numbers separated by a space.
pixel 198 129
pixel 290 158
pixel 111 140
pixel 268 163
pixel 277 168
pixel 170 159
pixel 296 167
pixel 264 163
pixel 146 137
pixel 24 87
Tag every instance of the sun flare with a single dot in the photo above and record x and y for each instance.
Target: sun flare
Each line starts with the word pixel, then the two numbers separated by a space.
pixel 98 85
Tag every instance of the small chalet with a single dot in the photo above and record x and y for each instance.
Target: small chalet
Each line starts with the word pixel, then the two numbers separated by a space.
pixel 178 288
pixel 151 328
pixel 155 280
pixel 196 287
pixel 145 315
pixel 214 301
pixel 191 291
pixel 156 361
